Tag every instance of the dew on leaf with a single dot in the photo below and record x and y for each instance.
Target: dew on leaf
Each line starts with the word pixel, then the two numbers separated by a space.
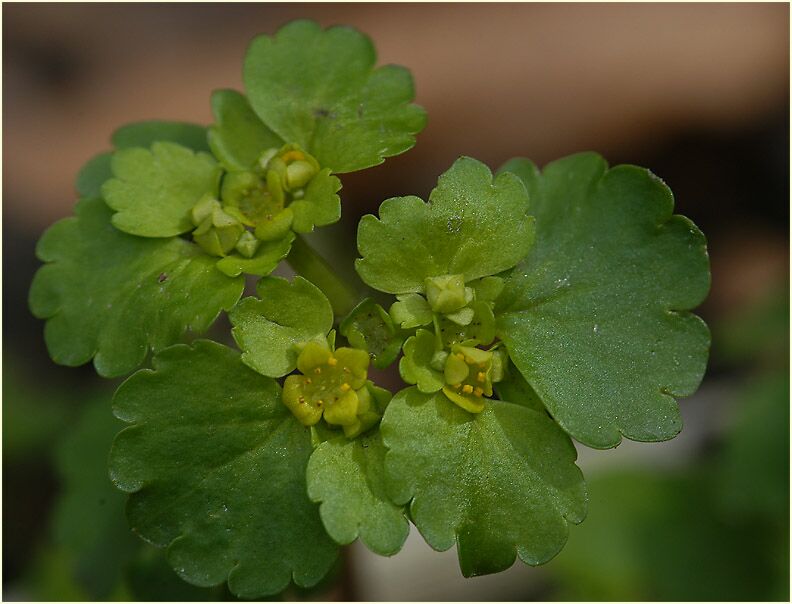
pixel 454 224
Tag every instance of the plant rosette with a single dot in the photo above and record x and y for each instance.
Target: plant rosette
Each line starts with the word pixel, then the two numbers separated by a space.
pixel 524 308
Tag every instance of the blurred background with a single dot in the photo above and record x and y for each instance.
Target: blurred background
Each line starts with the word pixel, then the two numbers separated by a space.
pixel 698 93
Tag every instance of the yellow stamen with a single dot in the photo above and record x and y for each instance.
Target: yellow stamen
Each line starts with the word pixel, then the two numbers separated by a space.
pixel 481 376
pixel 319 403
pixel 456 386
pixel 478 391
pixel 332 361
pixel 296 155
pixel 467 389
pixel 318 370
pixel 345 387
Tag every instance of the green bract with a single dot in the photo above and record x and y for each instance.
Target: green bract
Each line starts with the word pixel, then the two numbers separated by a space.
pixel 144 134
pixel 271 330
pixel 596 316
pixel 473 226
pixel 140 134
pixel 154 190
pixel 319 89
pixel 205 460
pixel 238 137
pixel 141 291
pixel 347 478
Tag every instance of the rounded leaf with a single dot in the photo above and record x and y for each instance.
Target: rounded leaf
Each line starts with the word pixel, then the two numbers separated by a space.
pixel 347 478
pixel 473 226
pixel 596 317
pixel 319 89
pixel 500 484
pixel 269 329
pixel 110 296
pixel 215 465
pixel 153 191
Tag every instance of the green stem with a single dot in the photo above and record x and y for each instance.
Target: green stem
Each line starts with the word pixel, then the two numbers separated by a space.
pixel 309 264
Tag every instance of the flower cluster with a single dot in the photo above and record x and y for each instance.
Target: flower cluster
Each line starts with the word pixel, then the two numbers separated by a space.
pixel 333 386
pixel 254 205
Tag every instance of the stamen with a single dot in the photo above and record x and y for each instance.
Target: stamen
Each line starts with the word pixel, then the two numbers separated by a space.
pixel 481 376
pixel 345 387
pixel 296 155
pixel 478 391
pixel 332 361
pixel 467 389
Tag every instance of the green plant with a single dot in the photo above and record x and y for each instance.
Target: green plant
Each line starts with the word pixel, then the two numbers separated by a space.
pixel 531 307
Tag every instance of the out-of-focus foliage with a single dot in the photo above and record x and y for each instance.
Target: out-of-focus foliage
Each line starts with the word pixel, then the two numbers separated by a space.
pixel 91 554
pixel 758 335
pixel 88 518
pixel 35 415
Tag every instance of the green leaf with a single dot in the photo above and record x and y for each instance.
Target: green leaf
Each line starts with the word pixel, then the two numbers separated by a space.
pixel 498 483
pixel 487 289
pixel 473 225
pixel 516 390
pixel 347 478
pixel 141 134
pixel 88 516
pixel 93 175
pixel 238 137
pixel 154 190
pixel 110 296
pixel 596 317
pixel 319 89
pixel 149 578
pixel 216 467
pixel 320 206
pixel 145 134
pixel 268 330
pixel 266 259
